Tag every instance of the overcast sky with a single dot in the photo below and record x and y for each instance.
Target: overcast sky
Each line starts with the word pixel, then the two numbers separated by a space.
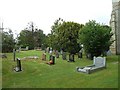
pixel 15 14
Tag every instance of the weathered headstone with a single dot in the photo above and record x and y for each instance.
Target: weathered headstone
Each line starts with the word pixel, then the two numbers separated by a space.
pixel 44 56
pixel 64 55
pixel 3 55
pixel 71 58
pixel 79 55
pixel 14 54
pixel 109 53
pixel 89 56
pixel 57 54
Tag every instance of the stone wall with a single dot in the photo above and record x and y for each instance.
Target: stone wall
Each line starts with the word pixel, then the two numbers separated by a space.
pixel 115 25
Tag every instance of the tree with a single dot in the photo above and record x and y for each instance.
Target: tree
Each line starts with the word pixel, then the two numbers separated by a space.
pixel 64 35
pixel 95 38
pixel 31 38
pixel 68 35
pixel 54 36
pixel 24 39
pixel 8 41
pixel 39 38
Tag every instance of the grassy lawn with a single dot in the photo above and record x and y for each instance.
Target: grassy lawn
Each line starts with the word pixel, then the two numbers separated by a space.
pixel 37 74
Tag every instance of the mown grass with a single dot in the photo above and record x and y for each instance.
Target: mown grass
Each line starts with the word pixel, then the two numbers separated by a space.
pixel 37 74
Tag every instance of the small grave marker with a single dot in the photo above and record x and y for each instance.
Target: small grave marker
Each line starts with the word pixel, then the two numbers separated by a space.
pixel 18 67
pixel 44 56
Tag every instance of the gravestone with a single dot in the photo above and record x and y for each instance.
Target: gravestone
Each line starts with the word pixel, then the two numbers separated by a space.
pixel 98 63
pixel 44 56
pixel 14 54
pixel 80 53
pixel 51 59
pixel 50 52
pixel 3 55
pixel 48 49
pixel 64 55
pixel 71 58
pixel 18 67
pixel 57 54
pixel 109 53
pixel 89 56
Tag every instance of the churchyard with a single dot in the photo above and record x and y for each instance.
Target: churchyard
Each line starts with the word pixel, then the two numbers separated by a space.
pixel 63 74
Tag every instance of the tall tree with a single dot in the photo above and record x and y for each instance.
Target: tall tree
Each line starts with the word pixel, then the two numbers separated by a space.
pixel 68 35
pixel 54 36
pixel 95 38
pixel 25 38
pixel 8 41
pixel 64 35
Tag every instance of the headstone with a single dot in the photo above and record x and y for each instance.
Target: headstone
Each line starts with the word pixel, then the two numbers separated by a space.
pixel 54 51
pixel 109 53
pixel 99 61
pixel 14 51
pixel 57 54
pixel 44 56
pixel 50 52
pixel 48 49
pixel 27 48
pixel 64 55
pixel 3 55
pixel 80 54
pixel 89 56
pixel 71 58
pixel 19 48
pixel 18 67
pixel 51 60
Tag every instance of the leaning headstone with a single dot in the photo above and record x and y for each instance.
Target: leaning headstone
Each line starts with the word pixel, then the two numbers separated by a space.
pixel 18 67
pixel 64 55
pixel 44 56
pixel 71 58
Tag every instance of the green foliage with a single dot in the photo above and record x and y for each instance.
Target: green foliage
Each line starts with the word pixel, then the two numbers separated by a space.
pixel 95 38
pixel 31 38
pixel 7 41
pixel 64 35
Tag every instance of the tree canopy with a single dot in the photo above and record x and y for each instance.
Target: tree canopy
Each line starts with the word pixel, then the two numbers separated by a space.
pixel 95 38
pixel 8 41
pixel 64 35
